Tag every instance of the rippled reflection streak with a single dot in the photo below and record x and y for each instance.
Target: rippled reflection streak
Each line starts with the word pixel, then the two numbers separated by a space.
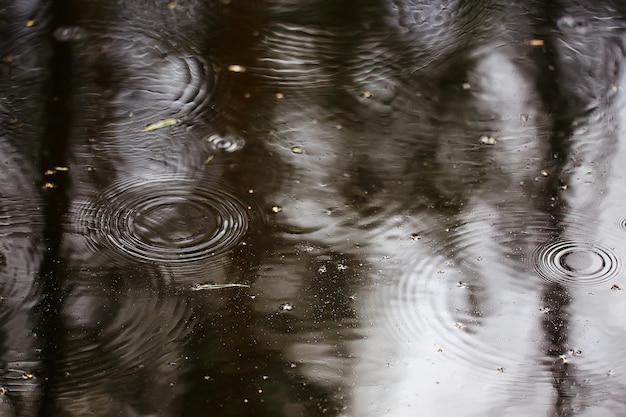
pixel 463 150
pixel 155 129
pixel 24 58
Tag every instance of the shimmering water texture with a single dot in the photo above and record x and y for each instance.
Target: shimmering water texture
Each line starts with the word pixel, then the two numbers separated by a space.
pixel 353 208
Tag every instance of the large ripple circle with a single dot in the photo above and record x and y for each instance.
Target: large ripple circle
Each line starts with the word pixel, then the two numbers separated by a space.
pixel 573 262
pixel 170 220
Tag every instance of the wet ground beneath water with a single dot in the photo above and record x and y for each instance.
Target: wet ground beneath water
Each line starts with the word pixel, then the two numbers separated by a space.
pixel 317 208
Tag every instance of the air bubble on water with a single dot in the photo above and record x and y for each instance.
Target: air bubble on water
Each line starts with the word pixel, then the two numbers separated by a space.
pixel 577 24
pixel 69 33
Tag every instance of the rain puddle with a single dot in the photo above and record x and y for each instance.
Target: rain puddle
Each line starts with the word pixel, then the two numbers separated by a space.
pixel 376 208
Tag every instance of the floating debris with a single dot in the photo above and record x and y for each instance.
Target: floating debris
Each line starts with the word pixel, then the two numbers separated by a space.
pixel 208 159
pixel 367 94
pixel 545 173
pixel 276 209
pixel 280 95
pixel 487 140
pixel 415 236
pixel 201 287
pixel 535 42
pixel 616 288
pixel 171 5
pixel 236 68
pixel 160 124
pixel 297 149
pixel 30 23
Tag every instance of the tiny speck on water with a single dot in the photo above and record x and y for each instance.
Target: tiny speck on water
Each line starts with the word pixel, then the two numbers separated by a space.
pixel 285 307
pixel 297 149
pixel 276 209
pixel 487 140
pixel 280 95
pixel 171 4
pixel 544 173
pixel 616 288
pixel 367 94
pixel 415 236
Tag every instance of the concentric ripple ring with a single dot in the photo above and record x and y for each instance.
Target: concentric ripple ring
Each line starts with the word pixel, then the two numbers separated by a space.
pixel 571 262
pixel 169 220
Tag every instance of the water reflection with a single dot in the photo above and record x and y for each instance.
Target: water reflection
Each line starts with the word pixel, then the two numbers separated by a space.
pixel 358 209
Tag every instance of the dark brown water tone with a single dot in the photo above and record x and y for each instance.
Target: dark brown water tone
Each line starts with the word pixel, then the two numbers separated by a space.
pixel 315 208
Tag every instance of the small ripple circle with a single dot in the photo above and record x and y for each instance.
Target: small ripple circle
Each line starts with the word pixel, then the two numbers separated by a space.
pixel 571 263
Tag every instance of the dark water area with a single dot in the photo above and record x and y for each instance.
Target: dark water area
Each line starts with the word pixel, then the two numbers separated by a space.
pixel 315 208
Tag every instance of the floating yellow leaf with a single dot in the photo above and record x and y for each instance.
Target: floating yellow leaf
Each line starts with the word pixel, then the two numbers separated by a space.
pixel 160 124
